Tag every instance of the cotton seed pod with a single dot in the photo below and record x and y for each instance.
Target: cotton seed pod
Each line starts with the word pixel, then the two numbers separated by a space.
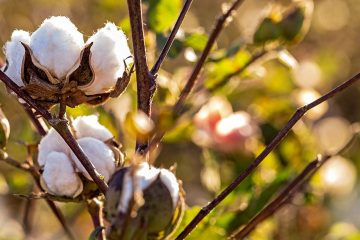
pixel 99 154
pixel 108 54
pixel 59 177
pixel 55 65
pixel 57 44
pixel 162 206
pixel 14 53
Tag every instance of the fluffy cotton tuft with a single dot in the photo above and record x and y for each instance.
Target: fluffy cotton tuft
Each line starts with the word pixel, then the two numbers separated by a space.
pixel 14 52
pixel 144 176
pixel 100 155
pixel 57 45
pixel 52 142
pixel 59 176
pixel 108 52
pixel 89 126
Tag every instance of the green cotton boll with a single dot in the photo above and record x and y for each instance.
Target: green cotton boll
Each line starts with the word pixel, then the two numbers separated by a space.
pixel 268 30
pixel 157 216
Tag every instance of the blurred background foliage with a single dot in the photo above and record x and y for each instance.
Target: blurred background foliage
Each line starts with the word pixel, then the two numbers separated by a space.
pixel 269 90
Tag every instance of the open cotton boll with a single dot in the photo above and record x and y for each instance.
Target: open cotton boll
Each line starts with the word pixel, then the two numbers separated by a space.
pixel 60 177
pixel 99 154
pixel 89 126
pixel 108 52
pixel 144 176
pixel 14 53
pixel 57 45
pixel 50 143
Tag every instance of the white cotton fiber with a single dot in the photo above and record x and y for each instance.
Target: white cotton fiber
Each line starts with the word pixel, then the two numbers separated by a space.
pixel 99 154
pixel 108 52
pixel 14 52
pixel 89 126
pixel 50 143
pixel 60 177
pixel 57 45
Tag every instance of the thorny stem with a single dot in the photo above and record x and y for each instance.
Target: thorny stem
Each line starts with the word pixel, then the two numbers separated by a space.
pixel 274 143
pixel 220 23
pixel 287 194
pixel 171 38
pixel 144 80
pixel 62 129
pixel 95 208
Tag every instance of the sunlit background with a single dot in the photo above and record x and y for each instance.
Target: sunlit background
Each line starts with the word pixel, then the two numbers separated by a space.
pixel 268 92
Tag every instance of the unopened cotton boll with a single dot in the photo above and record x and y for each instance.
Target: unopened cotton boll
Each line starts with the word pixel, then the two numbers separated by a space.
pixel 108 52
pixel 89 126
pixel 59 177
pixel 160 207
pixel 99 154
pixel 57 45
pixel 50 143
pixel 14 52
pixel 144 176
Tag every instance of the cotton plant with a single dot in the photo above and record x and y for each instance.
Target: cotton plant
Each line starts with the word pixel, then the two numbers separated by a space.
pixel 63 174
pixel 55 65
pixel 157 195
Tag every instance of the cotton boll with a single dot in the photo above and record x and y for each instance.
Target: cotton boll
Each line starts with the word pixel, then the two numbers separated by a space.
pixel 57 45
pixel 100 155
pixel 89 126
pixel 144 176
pixel 108 52
pixel 60 177
pixel 50 143
pixel 14 52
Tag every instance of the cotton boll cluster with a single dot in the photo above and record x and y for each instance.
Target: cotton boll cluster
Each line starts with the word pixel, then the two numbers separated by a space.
pixel 61 167
pixel 161 206
pixel 55 63
pixel 221 128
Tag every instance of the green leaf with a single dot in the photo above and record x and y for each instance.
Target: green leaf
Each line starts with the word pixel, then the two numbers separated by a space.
pixel 268 30
pixel 162 14
pixel 175 49
pixel 197 41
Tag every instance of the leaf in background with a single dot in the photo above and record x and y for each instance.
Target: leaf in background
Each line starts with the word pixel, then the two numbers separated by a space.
pixel 162 14
pixel 268 30
pixel 197 41
pixel 175 48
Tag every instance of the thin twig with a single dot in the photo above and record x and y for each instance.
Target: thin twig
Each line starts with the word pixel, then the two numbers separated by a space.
pixel 288 193
pixel 171 38
pixel 274 143
pixel 220 23
pixel 60 126
pixel 36 176
pixel 41 129
pixel 144 80
pixel 95 210
pixel 226 79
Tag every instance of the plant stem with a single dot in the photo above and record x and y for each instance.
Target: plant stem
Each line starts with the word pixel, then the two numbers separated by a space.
pixel 171 38
pixel 287 194
pixel 274 143
pixel 41 129
pixel 220 23
pixel 144 80
pixel 95 207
